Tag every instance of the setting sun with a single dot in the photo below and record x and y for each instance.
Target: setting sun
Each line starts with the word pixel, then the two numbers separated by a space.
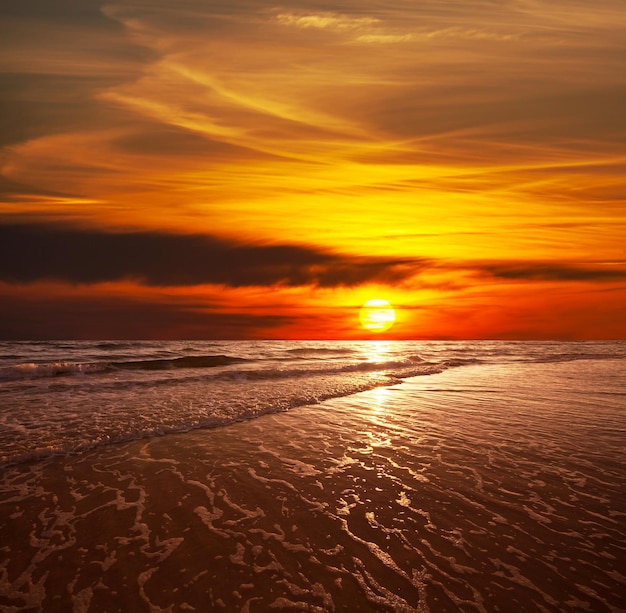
pixel 377 315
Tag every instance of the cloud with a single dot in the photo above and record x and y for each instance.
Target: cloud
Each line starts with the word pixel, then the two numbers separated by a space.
pixel 555 271
pixel 469 34
pixel 261 79
pixel 30 252
pixel 324 21
pixel 385 38
pixel 66 39
pixel 359 29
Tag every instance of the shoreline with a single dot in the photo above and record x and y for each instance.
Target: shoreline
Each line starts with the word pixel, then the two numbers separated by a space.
pixel 473 489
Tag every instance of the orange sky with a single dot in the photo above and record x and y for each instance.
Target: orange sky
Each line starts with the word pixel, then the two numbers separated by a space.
pixel 243 169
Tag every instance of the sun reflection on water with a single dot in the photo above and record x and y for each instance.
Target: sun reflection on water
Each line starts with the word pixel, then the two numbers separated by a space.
pixel 380 399
pixel 378 351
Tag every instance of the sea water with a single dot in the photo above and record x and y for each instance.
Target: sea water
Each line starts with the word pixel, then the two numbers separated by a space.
pixel 423 477
pixel 67 396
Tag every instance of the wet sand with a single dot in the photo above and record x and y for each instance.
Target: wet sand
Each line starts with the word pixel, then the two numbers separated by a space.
pixel 478 489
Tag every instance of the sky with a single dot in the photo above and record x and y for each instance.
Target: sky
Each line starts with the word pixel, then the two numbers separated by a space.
pixel 241 169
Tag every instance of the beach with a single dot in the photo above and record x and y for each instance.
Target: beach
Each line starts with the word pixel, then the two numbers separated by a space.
pixel 487 487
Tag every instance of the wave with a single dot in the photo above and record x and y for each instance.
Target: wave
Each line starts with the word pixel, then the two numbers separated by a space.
pixel 321 352
pixel 384 372
pixel 194 401
pixel 196 361
pixel 31 370
pixel 390 368
pixel 116 344
pixel 571 357
pixel 461 362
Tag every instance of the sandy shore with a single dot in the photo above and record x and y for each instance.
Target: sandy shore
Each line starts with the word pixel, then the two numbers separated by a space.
pixel 479 489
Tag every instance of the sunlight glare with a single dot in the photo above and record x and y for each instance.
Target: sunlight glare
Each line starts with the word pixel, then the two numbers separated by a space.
pixel 377 315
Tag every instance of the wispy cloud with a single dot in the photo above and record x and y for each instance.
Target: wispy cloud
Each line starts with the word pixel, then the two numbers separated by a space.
pixel 358 29
pixel 324 21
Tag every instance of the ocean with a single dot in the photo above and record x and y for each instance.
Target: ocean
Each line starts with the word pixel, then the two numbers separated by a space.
pixel 312 476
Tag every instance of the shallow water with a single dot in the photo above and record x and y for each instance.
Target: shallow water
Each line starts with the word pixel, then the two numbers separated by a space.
pixel 68 396
pixel 489 487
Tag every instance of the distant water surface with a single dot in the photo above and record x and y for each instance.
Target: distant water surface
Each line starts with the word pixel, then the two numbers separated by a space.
pixel 62 396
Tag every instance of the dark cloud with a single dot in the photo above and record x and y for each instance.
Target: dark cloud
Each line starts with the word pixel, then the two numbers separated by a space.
pixel 30 252
pixel 85 317
pixel 553 271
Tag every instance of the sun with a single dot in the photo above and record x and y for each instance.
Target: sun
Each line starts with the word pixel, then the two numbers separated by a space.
pixel 377 315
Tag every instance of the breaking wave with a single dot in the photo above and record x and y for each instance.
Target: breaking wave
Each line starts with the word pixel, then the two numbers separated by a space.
pixel 33 370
